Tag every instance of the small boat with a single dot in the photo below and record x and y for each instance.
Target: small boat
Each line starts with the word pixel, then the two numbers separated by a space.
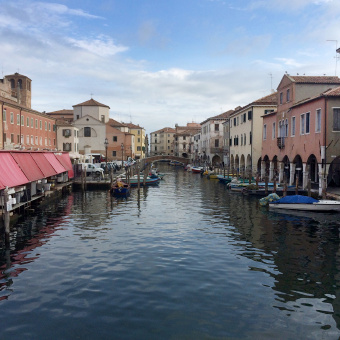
pixel 223 179
pixel 120 188
pixel 305 203
pixel 196 169
pixel 148 181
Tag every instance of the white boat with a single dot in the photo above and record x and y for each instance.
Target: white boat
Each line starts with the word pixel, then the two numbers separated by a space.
pixel 299 202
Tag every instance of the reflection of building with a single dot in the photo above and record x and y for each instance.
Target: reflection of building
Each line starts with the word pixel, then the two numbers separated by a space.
pixel 22 127
pixel 162 141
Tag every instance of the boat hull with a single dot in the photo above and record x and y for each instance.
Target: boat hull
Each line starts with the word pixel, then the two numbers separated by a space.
pixel 321 206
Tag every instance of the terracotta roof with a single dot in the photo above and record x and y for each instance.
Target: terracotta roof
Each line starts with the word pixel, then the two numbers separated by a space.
pixel 314 79
pixel 271 99
pixel 91 102
pixel 64 112
pixel 133 126
pixel 166 129
pixel 223 115
pixel 332 92
pixel 115 123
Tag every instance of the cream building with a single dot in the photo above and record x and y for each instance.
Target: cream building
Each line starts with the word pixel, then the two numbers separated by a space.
pixel 67 138
pixel 162 142
pixel 245 131
pixel 139 145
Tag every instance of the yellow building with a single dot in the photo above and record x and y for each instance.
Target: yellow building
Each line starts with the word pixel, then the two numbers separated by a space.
pixel 139 133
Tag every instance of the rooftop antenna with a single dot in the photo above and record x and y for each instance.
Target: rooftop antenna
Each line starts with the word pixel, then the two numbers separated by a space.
pixel 271 81
pixel 336 57
pixel 91 95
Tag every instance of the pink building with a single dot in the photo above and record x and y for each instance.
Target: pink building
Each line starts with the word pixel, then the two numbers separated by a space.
pixel 301 139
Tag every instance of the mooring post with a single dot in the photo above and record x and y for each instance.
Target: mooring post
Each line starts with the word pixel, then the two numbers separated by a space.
pixel 274 188
pixel 7 207
pixel 138 177
pixel 309 187
pixel 296 184
pixel 266 178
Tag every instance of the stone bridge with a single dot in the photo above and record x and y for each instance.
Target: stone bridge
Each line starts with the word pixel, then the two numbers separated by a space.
pixel 148 160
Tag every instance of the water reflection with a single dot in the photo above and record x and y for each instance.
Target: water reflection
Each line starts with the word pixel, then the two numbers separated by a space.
pixel 187 259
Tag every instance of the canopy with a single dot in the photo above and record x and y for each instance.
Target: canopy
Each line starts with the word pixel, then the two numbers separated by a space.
pixel 10 173
pixel 28 165
pixel 64 159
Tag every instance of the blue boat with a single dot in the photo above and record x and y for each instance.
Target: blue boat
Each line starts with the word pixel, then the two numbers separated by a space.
pixel 120 188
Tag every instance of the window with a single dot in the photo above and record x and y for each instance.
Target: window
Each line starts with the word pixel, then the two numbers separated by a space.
pixel 46 141
pixel 293 126
pixel 286 128
pixel 302 124
pixel 231 141
pixel 274 131
pixel 217 127
pixel 45 126
pixel 139 140
pixel 268 111
pixel 18 119
pixel 27 122
pixel 66 132
pixel 87 132
pixel 244 140
pixel 217 143
pixel 22 121
pixel 235 121
pixel 250 113
pixel 264 132
pixel 139 148
pixel 103 118
pixel 32 140
pixel 336 119
pixel 318 121
pixel 307 122
pixel 4 115
pixel 114 153
pixel 114 138
pixel 36 123
pixel 49 126
pixel 5 138
pixel 32 122
pixel 40 141
pixel 288 95
pixel 66 146
pixel 12 138
pixel 241 139
pixel 18 139
pixel 40 124
pixel 36 140
pixel 27 139
pixel 281 98
pixel 12 118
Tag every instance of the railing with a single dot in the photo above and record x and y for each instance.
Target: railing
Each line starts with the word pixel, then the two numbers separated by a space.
pixel 280 142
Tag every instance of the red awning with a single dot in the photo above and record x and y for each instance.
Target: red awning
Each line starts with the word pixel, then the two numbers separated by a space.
pixel 2 186
pixel 64 159
pixel 28 166
pixel 43 164
pixel 10 173
pixel 54 162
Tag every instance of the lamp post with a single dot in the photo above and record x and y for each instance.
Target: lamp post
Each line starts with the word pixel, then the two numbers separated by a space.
pixel 122 147
pixel 106 143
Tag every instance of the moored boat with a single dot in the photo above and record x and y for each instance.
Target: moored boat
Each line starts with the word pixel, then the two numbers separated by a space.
pixel 305 203
pixel 120 188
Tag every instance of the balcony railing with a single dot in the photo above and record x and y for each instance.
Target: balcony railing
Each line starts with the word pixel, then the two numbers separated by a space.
pixel 281 142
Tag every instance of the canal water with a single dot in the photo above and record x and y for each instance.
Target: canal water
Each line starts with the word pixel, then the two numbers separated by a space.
pixel 185 260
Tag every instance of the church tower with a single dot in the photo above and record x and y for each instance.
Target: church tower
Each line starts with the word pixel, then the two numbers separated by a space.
pixel 20 87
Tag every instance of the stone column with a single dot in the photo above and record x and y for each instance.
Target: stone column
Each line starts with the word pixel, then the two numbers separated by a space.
pixel 281 171
pixel 271 171
pixel 292 173
pixel 263 169
pixel 305 169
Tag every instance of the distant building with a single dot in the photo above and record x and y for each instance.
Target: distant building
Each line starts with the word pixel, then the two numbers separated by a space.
pixel 183 139
pixel 21 126
pixel 162 142
pixel 139 145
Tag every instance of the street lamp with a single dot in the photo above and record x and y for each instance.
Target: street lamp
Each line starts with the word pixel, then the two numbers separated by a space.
pixel 106 143
pixel 122 147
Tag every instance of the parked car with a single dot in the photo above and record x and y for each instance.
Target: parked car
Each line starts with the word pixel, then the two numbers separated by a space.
pixel 92 169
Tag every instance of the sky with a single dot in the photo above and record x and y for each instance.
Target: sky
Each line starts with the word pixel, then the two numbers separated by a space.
pixel 158 63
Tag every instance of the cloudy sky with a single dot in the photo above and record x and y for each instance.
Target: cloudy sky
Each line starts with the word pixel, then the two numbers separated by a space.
pixel 161 62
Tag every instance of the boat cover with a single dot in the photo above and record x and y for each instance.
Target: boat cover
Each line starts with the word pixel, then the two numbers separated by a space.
pixel 296 199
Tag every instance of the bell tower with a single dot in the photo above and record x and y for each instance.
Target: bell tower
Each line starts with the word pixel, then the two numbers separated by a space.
pixel 20 87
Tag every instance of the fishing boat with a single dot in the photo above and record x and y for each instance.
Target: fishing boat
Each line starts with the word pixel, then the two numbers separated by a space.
pixel 120 188
pixel 148 181
pixel 305 203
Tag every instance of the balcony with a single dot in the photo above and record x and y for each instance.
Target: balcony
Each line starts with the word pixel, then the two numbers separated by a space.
pixel 280 142
pixel 216 150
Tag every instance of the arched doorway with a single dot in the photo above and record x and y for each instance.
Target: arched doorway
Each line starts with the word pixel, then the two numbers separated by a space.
pixel 286 169
pixel 237 164
pixel 248 164
pixel 333 178
pixel 313 173
pixel 275 168
pixel 242 164
pixel 298 169
pixel 216 160
pixel 267 165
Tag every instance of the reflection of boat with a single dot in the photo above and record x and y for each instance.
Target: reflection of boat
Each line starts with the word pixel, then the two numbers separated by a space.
pixel 299 202
pixel 176 163
pixel 120 188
